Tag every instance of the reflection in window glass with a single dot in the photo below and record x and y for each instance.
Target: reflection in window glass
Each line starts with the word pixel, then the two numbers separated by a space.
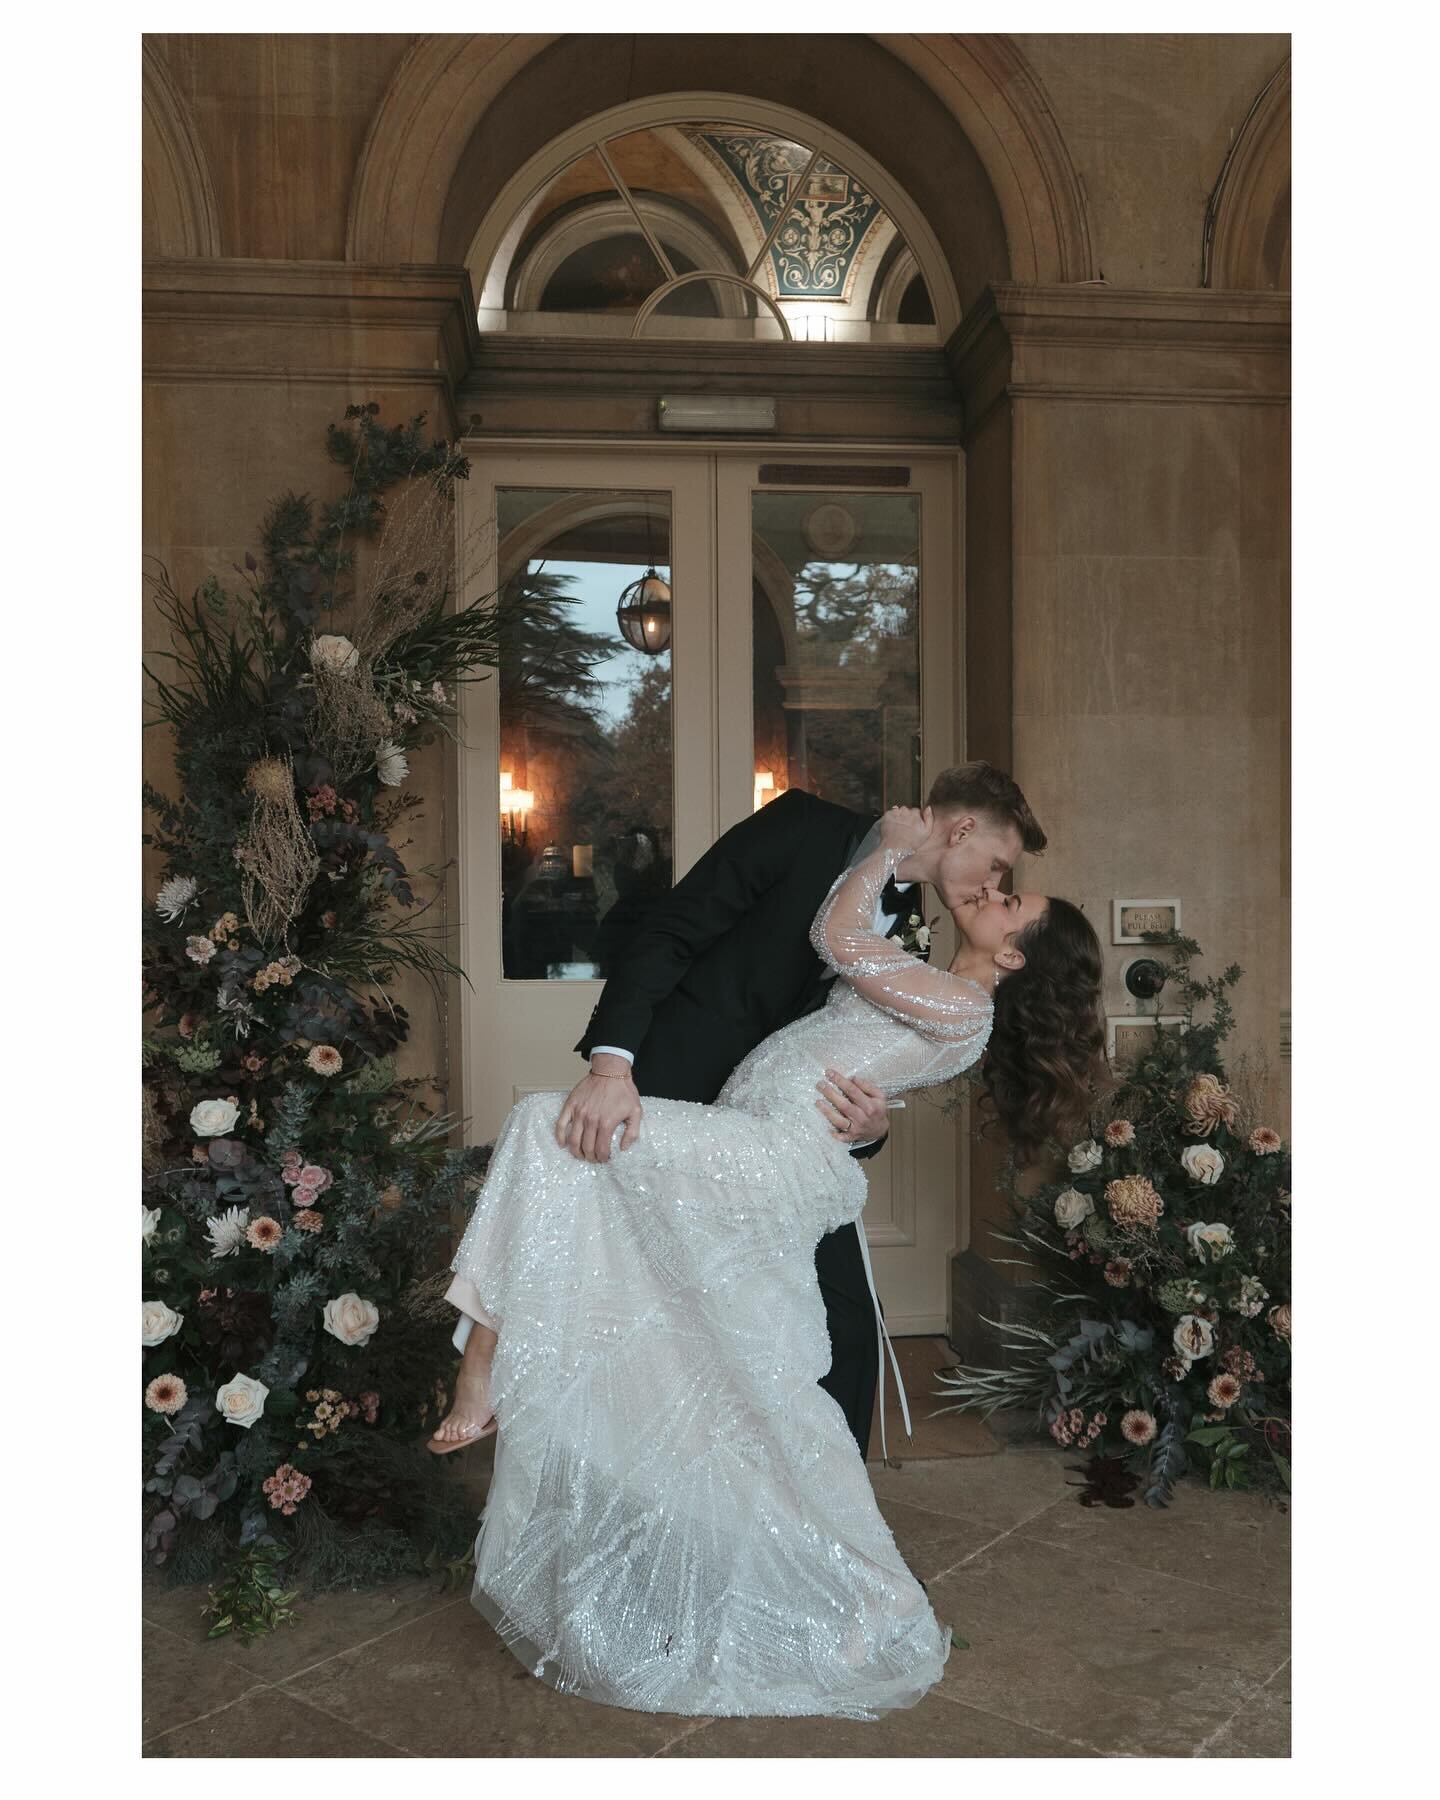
pixel 836 647
pixel 585 730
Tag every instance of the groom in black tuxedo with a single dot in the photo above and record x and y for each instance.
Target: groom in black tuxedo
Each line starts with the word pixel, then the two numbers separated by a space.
pixel 719 963
pixel 724 959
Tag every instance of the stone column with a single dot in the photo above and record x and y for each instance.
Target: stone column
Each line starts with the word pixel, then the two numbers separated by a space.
pixel 1127 610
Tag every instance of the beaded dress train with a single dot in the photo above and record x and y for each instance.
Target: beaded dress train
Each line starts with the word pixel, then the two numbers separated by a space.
pixel 679 1518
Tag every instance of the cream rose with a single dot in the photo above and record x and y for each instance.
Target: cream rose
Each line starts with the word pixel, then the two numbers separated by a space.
pixel 1071 1207
pixel 1210 1241
pixel 158 1322
pixel 1279 1317
pixel 351 1319
pixel 242 1400
pixel 1203 1163
pixel 213 1118
pixel 1085 1157
pixel 1193 1336
pixel 333 654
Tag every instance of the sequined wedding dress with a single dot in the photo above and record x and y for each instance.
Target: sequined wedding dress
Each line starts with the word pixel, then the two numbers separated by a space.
pixel 679 1518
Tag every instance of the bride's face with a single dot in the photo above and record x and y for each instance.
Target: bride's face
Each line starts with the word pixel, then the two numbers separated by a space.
pixel 989 920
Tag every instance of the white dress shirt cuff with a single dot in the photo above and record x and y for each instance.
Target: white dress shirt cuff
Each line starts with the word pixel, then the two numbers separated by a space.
pixel 612 1050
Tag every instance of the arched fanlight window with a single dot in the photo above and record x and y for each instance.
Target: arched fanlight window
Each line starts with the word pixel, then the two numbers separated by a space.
pixel 707 228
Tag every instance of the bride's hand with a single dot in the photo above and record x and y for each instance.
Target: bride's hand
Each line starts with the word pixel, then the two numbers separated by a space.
pixel 905 827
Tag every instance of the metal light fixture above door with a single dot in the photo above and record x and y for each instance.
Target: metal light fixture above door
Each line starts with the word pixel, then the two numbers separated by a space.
pixel 643 613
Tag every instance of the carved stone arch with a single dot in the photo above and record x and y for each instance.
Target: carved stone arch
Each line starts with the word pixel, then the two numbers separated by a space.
pixel 960 122
pixel 1000 104
pixel 178 212
pixel 1247 223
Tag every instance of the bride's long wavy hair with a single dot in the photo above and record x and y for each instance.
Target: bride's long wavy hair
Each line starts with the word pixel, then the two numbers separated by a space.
pixel 1045 1065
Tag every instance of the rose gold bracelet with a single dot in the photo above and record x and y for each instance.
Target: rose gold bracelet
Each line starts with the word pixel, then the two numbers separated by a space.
pixel 610 1075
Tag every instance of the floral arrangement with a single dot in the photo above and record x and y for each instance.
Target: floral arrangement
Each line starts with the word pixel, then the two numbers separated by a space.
pixel 1157 1331
pixel 297 1193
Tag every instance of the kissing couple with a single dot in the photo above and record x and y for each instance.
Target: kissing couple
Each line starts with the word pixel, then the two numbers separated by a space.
pixel 667 1311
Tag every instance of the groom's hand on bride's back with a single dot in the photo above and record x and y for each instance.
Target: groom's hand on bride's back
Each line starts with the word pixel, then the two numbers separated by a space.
pixel 605 1098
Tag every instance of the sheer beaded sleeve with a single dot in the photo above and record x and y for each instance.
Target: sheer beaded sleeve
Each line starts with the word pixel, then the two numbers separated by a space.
pixel 946 1008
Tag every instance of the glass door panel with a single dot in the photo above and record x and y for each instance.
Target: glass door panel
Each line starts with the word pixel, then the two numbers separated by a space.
pixel 835 621
pixel 586 739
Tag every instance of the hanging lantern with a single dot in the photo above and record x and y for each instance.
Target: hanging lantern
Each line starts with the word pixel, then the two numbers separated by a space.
pixel 643 614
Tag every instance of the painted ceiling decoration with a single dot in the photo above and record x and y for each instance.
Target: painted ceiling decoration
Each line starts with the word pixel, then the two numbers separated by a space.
pixel 818 246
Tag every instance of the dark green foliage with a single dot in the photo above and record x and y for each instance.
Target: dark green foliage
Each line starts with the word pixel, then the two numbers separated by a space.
pixel 232 1019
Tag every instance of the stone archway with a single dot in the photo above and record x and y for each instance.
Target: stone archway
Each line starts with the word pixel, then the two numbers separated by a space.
pixel 1247 223
pixel 178 211
pixel 464 112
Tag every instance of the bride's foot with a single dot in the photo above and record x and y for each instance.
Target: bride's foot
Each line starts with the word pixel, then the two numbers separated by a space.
pixel 470 1418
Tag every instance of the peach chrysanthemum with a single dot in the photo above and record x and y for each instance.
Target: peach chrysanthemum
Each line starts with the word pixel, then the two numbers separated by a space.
pixel 1207 1104
pixel 1264 1141
pixel 1132 1200
pixel 1119 1133
pixel 166 1394
pixel 1137 1427
pixel 307 1219
pixel 324 1059
pixel 1224 1390
pixel 264 1233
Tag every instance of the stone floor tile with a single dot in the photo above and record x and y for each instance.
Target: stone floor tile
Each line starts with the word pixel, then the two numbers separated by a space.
pixel 445 1685
pixel 1261 1728
pixel 268 1722
pixel 935 1727
pixel 998 1490
pixel 931 1542
pixel 1236 1541
pixel 176 1685
pixel 1128 1661
pixel 325 1624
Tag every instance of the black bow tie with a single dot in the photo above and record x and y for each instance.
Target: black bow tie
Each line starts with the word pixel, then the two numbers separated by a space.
pixel 893 901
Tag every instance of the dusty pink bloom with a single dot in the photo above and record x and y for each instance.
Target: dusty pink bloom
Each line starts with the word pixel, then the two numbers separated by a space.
pixel 315 1177
pixel 303 1195
pixel 1119 1133
pixel 1117 1271
pixel 307 1219
pixel 1264 1141
pixel 324 1059
pixel 286 1487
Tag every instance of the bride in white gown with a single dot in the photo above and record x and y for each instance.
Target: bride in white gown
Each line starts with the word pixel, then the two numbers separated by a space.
pixel 679 1518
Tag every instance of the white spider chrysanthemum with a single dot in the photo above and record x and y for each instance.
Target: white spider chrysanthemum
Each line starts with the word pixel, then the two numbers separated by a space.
pixel 227 1231
pixel 390 762
pixel 175 895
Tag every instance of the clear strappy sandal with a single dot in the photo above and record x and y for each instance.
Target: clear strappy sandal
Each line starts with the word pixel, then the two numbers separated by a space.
pixel 470 1433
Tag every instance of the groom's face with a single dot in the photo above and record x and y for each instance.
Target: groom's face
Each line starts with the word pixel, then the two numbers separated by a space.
pixel 977 852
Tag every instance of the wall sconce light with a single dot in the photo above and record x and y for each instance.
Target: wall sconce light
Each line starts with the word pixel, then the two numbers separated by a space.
pixel 764 788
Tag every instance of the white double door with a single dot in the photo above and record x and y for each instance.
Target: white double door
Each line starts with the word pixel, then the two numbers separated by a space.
pixel 812 637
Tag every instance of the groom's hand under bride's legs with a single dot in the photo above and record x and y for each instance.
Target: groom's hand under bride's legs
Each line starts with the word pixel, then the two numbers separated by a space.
pixel 607 1097
pixel 469 1418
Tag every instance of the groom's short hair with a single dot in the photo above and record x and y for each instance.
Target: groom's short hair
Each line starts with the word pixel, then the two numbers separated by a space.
pixel 980 787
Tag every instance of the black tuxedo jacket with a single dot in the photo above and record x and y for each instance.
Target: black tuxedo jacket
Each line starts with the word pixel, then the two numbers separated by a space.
pixel 724 958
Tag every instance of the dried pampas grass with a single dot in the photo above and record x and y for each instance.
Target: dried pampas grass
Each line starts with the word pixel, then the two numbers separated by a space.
pixel 276 855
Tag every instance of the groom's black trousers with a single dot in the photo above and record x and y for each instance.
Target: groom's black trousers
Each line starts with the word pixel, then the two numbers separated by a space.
pixel 672 1065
